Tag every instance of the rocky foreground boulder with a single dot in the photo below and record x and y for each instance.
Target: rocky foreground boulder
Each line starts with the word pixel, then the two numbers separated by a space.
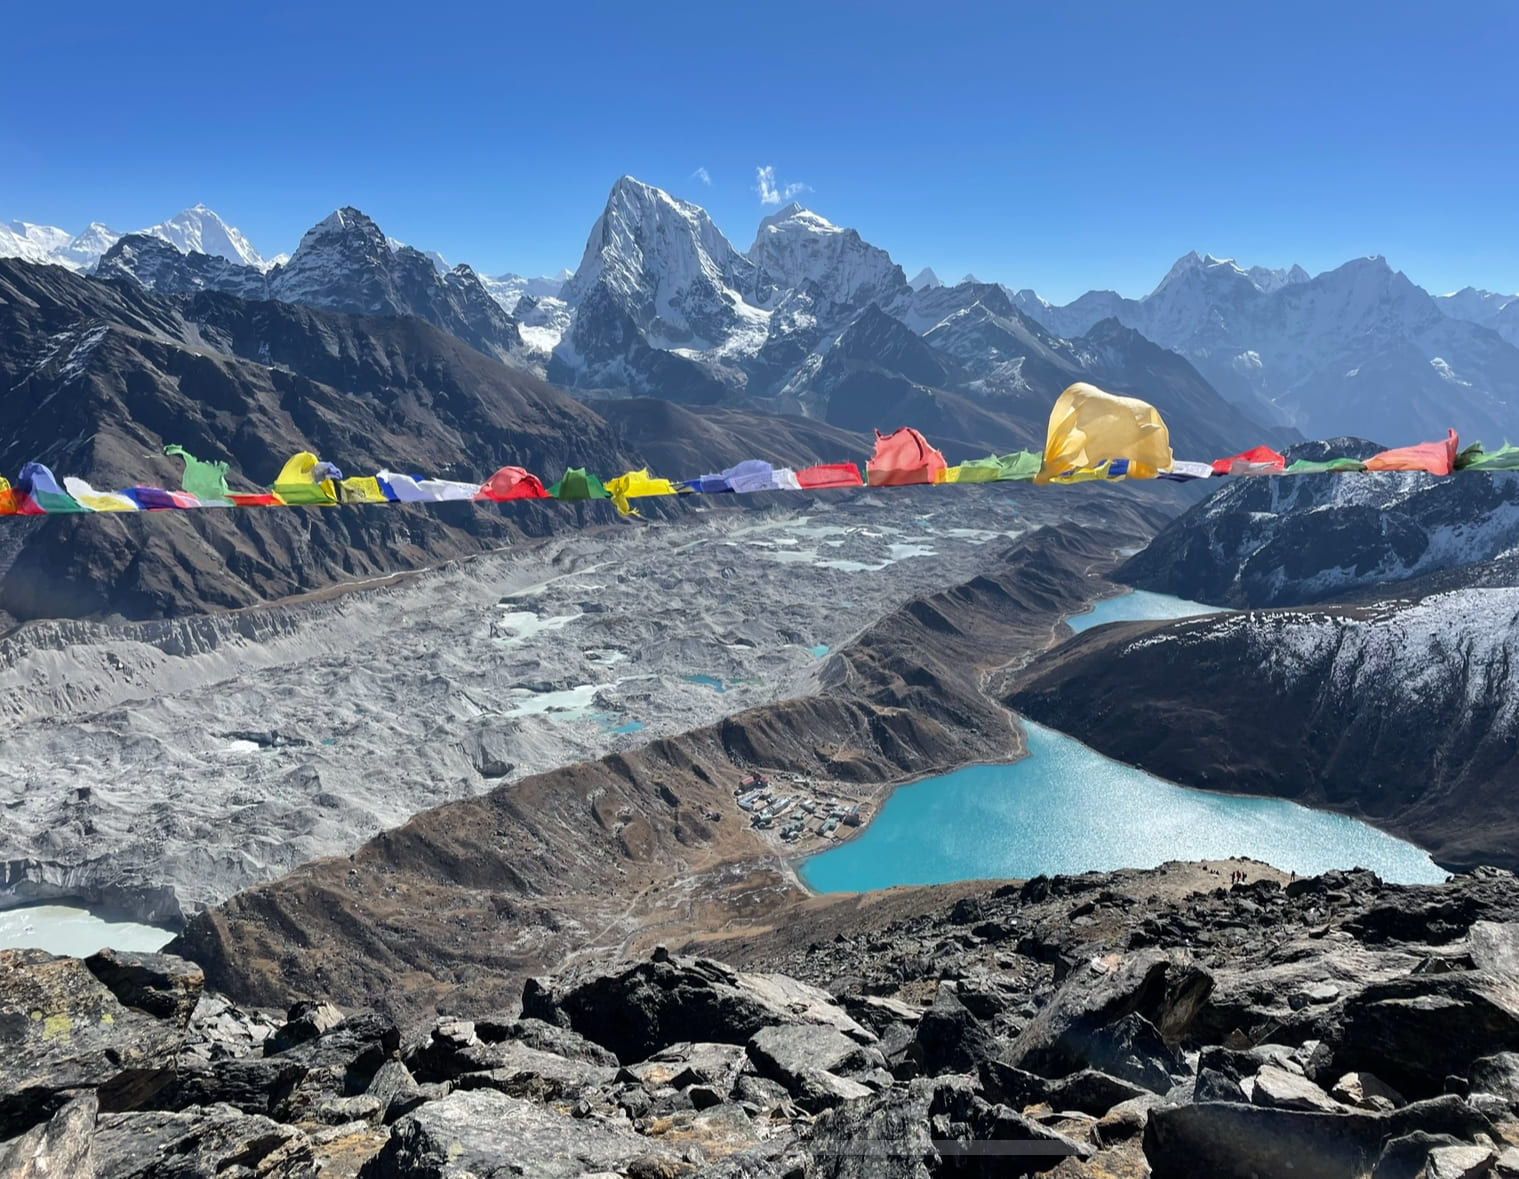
pixel 1121 1024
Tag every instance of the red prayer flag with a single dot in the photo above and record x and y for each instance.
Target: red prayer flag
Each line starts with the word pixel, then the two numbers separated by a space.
pixel 829 475
pixel 903 457
pixel 512 483
pixel 1258 460
pixel 1438 458
pixel 261 499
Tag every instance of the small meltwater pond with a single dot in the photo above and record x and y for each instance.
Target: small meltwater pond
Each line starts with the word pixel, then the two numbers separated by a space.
pixel 76 932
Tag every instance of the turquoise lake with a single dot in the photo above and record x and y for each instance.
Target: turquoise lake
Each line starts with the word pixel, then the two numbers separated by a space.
pixel 1066 808
pixel 1138 606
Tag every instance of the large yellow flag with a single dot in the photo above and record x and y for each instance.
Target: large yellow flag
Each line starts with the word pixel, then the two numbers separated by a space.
pixel 1089 428
pixel 298 483
pixel 633 485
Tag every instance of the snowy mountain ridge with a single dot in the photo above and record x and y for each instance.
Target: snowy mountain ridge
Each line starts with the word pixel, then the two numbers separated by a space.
pixel 194 230
pixel 1357 349
pixel 1484 308
pixel 664 304
pixel 47 244
pixel 343 263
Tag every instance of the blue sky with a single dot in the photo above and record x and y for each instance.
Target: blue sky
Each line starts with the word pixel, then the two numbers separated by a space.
pixel 1063 150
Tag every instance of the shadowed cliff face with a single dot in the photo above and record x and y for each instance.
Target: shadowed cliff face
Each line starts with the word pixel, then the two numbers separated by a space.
pixel 453 907
pixel 1403 713
pixel 101 375
pixel 1316 538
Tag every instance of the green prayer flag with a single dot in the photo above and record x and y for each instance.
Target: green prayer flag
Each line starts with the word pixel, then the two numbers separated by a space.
pixel 1474 458
pixel 577 484
pixel 1023 465
pixel 1305 467
pixel 205 481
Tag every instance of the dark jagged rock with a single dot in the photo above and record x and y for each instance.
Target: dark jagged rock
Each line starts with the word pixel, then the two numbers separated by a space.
pixel 160 984
pixel 61 1031
pixel 637 1010
pixel 974 1136
pixel 814 1062
pixel 1415 1032
pixel 1497 1074
pixel 1116 1022
pixel 545 1037
pixel 395 1087
pixel 520 1071
pixel 60 1148
pixel 1232 1141
pixel 247 1084
pixel 1092 1092
pixel 305 1022
pixel 484 1132
pixel 202 1143
pixel 1279 1088
pixel 951 1039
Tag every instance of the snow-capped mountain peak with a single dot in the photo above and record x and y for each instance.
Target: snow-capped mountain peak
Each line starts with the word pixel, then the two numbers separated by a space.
pixel 344 252
pixel 508 289
pixel 49 244
pixel 665 263
pixel 796 247
pixel 1487 308
pixel 33 243
pixel 1267 280
pixel 198 230
pixel 925 279
pixel 1192 265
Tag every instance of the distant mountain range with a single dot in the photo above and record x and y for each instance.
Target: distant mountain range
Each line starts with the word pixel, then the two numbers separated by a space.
pixel 1356 350
pixel 813 319
pixel 195 230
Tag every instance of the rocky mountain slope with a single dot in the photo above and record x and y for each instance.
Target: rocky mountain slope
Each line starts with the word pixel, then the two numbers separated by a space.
pixel 1312 538
pixel 1355 350
pixel 100 376
pixel 343 263
pixel 1123 1024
